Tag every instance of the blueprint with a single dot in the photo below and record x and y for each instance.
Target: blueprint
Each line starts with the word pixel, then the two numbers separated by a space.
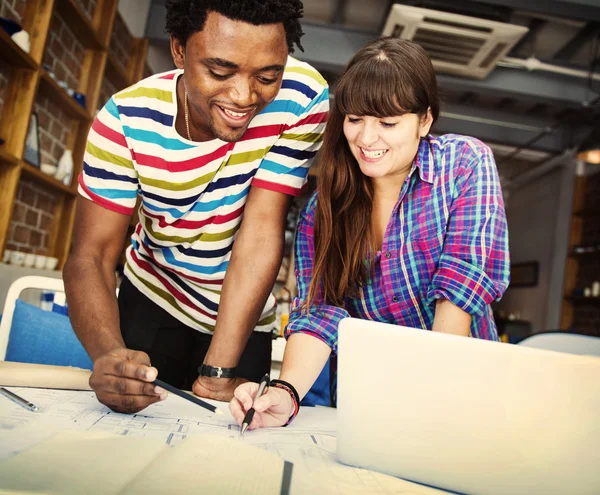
pixel 171 421
pixel 309 443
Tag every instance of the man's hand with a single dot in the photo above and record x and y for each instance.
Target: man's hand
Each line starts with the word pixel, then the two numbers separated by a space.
pixel 216 388
pixel 122 380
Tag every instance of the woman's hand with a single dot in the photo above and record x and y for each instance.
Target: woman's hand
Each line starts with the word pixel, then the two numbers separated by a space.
pixel 274 408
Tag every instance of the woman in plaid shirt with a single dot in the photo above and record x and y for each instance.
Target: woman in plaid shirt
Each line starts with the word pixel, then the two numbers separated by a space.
pixel 404 228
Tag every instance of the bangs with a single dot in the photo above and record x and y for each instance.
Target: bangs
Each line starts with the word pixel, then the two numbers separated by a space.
pixel 375 89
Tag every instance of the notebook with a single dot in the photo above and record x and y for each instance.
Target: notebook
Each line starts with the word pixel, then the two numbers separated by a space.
pixel 467 415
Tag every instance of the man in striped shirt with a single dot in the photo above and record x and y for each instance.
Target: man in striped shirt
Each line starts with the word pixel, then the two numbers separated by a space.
pixel 229 133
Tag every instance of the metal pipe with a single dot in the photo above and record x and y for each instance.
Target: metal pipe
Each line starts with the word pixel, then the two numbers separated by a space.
pixel 498 123
pixel 533 64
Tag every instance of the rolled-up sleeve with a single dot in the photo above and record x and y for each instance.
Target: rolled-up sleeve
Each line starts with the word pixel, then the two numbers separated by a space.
pixel 321 320
pixel 474 267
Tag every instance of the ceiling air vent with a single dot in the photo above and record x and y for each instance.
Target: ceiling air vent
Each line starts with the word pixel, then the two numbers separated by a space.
pixel 456 44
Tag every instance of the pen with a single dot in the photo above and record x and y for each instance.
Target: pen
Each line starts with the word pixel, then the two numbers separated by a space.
pixel 186 396
pixel 264 383
pixel 19 400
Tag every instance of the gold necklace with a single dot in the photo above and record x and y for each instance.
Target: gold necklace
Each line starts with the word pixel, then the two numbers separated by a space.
pixel 187 122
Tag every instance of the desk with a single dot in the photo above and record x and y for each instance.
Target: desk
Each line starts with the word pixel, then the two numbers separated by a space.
pixel 309 443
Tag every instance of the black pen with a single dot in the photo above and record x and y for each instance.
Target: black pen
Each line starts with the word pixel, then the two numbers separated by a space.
pixel 186 396
pixel 264 383
pixel 19 400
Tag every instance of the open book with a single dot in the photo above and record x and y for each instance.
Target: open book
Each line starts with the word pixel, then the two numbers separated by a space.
pixel 90 463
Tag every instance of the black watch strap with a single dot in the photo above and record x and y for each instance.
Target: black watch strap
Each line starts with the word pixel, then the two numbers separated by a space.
pixel 216 371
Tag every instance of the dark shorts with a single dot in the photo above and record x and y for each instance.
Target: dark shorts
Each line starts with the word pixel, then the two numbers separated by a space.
pixel 175 349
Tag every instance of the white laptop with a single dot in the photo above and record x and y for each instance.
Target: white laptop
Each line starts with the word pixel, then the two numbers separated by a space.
pixel 467 415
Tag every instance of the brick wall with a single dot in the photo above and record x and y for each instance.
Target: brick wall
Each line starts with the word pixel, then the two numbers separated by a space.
pixel 63 54
pixel 32 219
pixel 586 316
pixel 12 9
pixel 121 43
pixel 54 127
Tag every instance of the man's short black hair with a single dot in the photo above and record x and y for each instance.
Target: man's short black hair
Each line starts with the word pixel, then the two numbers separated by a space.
pixel 186 17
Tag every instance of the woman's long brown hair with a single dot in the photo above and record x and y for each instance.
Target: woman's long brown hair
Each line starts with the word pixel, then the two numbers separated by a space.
pixel 388 77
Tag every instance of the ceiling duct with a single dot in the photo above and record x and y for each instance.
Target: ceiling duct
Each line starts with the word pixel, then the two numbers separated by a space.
pixel 456 44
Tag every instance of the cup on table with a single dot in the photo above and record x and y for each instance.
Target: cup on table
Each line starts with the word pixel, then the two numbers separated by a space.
pixel 51 263
pixel 29 260
pixel 6 256
pixel 17 258
pixel 40 261
pixel 48 168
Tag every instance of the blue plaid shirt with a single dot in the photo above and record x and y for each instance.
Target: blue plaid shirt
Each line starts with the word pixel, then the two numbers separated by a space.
pixel 447 239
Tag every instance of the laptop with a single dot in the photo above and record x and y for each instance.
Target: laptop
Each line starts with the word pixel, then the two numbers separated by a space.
pixel 467 415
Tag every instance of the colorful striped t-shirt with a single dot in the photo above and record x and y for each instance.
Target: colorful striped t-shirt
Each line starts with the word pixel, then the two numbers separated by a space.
pixel 193 193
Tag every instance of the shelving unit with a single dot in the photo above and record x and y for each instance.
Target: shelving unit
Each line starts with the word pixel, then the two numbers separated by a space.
pixel 582 267
pixel 575 254
pixel 572 263
pixel 28 80
pixel 584 299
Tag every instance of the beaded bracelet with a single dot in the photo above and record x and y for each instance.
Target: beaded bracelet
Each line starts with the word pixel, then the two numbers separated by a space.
pixel 289 388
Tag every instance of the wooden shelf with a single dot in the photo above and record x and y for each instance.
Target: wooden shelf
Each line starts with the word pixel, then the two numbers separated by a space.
pixel 115 73
pixel 51 88
pixel 587 213
pixel 80 25
pixel 573 254
pixel 35 173
pixel 584 299
pixel 28 79
pixel 6 157
pixel 12 54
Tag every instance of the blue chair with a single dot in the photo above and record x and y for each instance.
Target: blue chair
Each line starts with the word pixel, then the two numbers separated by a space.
pixel 570 343
pixel 320 393
pixel 29 334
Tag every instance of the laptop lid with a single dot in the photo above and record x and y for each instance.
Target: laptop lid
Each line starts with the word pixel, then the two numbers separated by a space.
pixel 467 415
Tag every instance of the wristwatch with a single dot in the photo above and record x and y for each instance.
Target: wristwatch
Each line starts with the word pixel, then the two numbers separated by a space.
pixel 216 371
